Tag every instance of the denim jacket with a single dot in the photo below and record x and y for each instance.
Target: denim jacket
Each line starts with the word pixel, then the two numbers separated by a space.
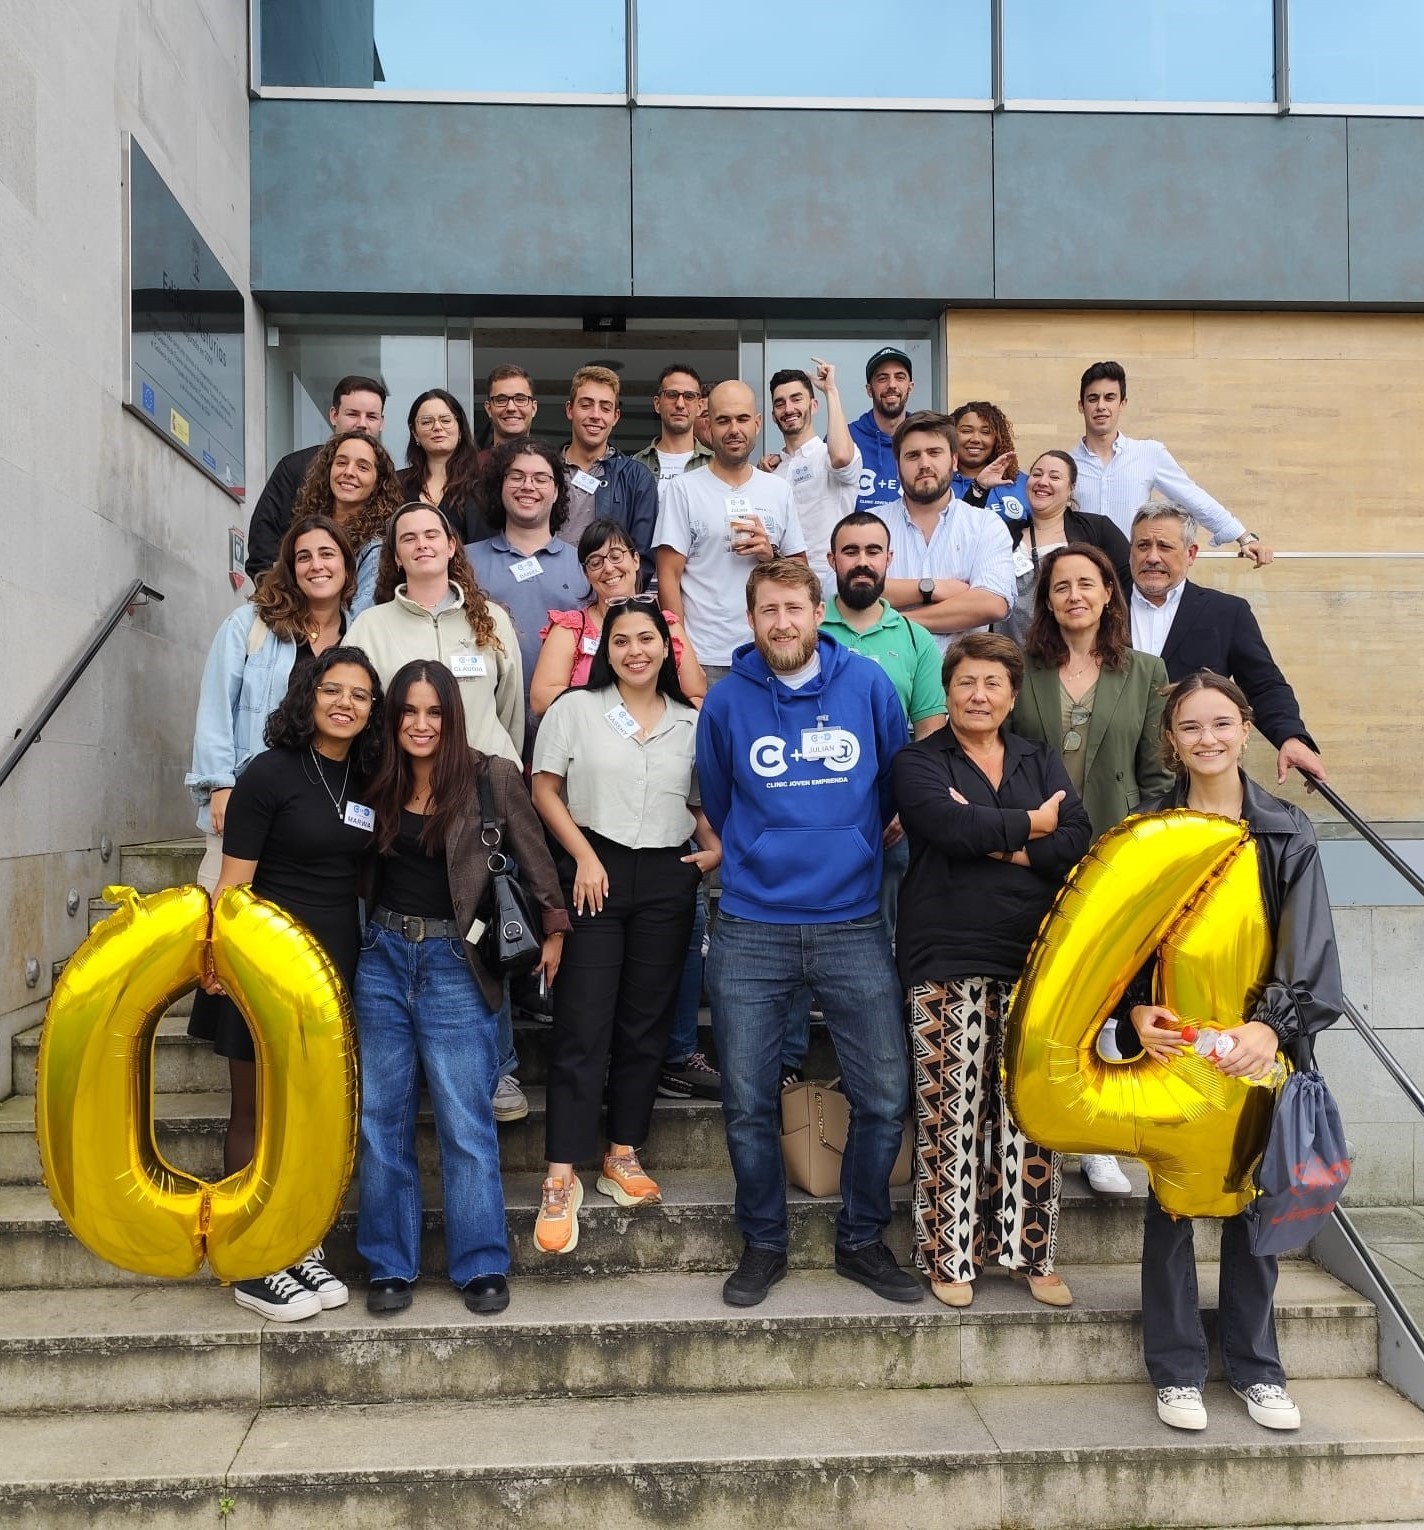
pixel 239 691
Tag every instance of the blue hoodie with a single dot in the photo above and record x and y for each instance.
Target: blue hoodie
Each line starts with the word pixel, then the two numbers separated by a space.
pixel 800 837
pixel 879 471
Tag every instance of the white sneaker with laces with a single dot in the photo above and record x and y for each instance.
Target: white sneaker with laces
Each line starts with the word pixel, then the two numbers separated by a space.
pixel 1181 1407
pixel 315 1276
pixel 509 1101
pixel 1270 1406
pixel 1104 1177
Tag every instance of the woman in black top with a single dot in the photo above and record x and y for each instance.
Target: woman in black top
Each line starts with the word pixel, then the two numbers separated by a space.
pixel 296 829
pixel 994 825
pixel 442 465
pixel 425 1002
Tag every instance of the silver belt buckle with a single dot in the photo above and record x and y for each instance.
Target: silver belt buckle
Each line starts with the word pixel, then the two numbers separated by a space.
pixel 410 922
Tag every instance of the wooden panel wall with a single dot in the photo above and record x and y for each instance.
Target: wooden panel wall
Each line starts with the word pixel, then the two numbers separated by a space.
pixel 1307 426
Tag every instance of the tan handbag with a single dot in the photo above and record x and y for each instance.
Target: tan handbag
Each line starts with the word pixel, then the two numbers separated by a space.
pixel 815 1119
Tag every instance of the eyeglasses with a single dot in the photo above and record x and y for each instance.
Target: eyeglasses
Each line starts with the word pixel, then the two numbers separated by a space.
pixel 539 480
pixel 427 420
pixel 504 400
pixel 1193 733
pixel 617 556
pixel 687 395
pixel 1078 718
pixel 650 599
pixel 329 690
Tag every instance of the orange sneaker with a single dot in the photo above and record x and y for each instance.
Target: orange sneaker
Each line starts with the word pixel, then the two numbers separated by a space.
pixel 556 1227
pixel 623 1178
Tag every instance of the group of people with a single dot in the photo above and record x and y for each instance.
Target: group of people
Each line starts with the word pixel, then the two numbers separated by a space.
pixel 645 680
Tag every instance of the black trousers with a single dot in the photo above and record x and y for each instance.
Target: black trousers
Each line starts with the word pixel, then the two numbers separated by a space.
pixel 616 996
pixel 1173 1340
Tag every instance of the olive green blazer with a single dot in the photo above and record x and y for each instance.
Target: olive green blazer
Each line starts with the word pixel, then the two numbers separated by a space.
pixel 1124 762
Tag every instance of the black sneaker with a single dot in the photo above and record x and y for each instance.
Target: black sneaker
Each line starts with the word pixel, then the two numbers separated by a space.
pixel 758 1271
pixel 280 1296
pixel 486 1293
pixel 314 1275
pixel 387 1295
pixel 696 1076
pixel 789 1077
pixel 875 1268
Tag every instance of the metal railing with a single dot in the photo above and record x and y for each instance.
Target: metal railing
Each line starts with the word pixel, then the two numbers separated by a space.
pixel 138 593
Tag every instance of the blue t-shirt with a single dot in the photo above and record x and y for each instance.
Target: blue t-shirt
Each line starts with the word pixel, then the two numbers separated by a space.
pixel 1009 501
pixel 556 584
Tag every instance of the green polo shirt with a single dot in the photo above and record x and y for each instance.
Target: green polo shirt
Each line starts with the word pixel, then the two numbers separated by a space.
pixel 906 651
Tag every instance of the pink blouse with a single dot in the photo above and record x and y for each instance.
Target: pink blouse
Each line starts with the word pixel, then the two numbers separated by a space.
pixel 580 623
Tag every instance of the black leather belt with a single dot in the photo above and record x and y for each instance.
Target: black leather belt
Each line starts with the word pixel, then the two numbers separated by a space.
pixel 415 927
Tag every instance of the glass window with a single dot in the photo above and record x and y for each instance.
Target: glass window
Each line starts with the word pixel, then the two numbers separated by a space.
pixel 912 50
pixel 1139 50
pixel 1365 56
pixel 538 48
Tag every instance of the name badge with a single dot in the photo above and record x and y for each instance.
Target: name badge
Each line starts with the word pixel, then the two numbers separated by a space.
pixel 589 646
pixel 468 666
pixel 526 568
pixel 359 816
pixel 1023 562
pixel 587 482
pixel 821 743
pixel 802 473
pixel 622 721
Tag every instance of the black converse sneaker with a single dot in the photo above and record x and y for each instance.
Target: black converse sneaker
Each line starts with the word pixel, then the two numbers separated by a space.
pixel 315 1276
pixel 280 1296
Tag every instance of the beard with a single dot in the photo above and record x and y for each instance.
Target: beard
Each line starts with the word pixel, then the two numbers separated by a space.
pixel 862 595
pixel 786 661
pixel 892 411
pixel 926 496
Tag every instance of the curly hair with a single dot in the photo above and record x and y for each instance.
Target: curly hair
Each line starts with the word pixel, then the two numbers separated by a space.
pixel 279 599
pixel 293 725
pixel 1044 640
pixel 315 496
pixel 461 575
pixel 997 421
pixel 501 459
pixel 462 471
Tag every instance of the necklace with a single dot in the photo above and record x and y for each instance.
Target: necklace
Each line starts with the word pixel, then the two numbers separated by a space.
pixel 321 776
pixel 1093 663
pixel 315 628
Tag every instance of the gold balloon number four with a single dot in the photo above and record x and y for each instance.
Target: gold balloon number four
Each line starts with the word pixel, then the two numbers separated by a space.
pixel 1186 886
pixel 94 1096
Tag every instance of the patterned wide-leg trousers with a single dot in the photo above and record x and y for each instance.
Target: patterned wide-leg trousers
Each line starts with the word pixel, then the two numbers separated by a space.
pixel 984 1194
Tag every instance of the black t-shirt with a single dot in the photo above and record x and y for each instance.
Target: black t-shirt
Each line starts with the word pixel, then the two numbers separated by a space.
pixel 286 813
pixel 415 881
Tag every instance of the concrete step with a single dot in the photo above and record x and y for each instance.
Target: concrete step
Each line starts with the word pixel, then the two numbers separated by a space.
pixel 160 863
pixel 181 1064
pixel 918 1458
pixel 192 1346
pixel 693 1229
pixel 686 1134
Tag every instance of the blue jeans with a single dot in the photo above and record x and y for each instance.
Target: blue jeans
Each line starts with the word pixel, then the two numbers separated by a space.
pixel 682 1042
pixel 754 971
pixel 798 1025
pixel 419 1010
pixel 504 1044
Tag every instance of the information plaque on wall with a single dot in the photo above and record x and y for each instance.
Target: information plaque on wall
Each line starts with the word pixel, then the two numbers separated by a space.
pixel 185 329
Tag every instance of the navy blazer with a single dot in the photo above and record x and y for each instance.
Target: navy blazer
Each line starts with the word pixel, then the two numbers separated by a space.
pixel 1214 630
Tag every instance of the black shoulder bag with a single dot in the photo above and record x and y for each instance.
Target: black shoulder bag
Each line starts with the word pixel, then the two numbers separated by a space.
pixel 512 942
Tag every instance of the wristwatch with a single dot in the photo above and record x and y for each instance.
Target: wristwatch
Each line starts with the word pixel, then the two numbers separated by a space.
pixel 1246 538
pixel 927 587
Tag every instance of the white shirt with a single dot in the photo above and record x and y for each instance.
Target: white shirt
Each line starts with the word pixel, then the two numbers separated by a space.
pixel 693 520
pixel 969 543
pixel 1151 624
pixel 1120 489
pixel 823 494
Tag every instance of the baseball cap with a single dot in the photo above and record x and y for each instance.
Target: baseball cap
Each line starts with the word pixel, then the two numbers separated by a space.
pixel 884 354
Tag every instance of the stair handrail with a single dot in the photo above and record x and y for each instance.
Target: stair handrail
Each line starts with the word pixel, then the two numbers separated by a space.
pixel 1366 831
pixel 138 593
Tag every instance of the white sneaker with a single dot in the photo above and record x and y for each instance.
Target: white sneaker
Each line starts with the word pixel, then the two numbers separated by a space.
pixel 280 1296
pixel 1104 1177
pixel 314 1275
pixel 509 1101
pixel 1271 1406
pixel 1181 1407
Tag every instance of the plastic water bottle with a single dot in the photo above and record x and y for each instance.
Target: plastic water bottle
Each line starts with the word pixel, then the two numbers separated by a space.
pixel 1213 1045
